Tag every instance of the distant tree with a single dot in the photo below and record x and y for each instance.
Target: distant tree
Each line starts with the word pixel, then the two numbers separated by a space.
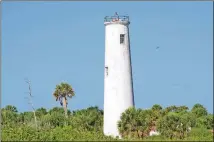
pixel 58 110
pixel 9 115
pixel 197 106
pixel 205 122
pixel 181 109
pixel 61 93
pixel 11 108
pixel 174 125
pixel 157 112
pixel 199 110
pixel 89 119
pixel 210 121
pixel 170 109
pixel 41 112
pixel 28 116
pixel 151 117
pixel 53 120
pixel 133 123
pixel 176 109
pixel 156 107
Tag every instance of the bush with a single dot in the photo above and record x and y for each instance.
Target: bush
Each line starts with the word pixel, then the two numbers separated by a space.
pixel 200 134
pixel 87 125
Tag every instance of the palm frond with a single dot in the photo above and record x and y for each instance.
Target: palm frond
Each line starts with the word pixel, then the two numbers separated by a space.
pixel 63 90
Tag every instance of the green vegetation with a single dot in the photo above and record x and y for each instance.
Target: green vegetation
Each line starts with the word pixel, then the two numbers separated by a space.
pixel 87 124
pixel 59 123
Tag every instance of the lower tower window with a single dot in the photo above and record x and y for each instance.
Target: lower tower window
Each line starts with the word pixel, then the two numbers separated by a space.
pixel 106 70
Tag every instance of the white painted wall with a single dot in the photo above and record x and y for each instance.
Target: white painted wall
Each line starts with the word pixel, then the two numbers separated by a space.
pixel 118 86
pixel 153 133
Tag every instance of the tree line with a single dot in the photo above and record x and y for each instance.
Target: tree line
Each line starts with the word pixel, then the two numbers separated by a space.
pixel 59 123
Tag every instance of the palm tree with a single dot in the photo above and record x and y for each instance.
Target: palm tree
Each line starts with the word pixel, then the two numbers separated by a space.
pixel 133 123
pixel 61 93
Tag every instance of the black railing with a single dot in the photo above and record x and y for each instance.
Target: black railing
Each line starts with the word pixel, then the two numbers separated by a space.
pixel 116 18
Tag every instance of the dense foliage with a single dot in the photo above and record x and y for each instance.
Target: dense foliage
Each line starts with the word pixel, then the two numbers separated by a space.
pixel 173 123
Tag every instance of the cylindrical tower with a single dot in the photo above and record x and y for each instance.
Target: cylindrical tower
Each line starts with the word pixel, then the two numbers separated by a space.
pixel 118 85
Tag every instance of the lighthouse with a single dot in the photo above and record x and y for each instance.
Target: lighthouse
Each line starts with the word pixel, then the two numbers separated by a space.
pixel 118 84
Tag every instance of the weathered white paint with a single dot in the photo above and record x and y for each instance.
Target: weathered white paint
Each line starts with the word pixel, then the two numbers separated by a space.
pixel 118 86
pixel 153 133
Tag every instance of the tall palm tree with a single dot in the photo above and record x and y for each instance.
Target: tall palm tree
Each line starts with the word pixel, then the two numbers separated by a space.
pixel 61 93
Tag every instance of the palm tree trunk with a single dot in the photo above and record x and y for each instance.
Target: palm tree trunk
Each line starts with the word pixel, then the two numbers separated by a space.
pixel 65 107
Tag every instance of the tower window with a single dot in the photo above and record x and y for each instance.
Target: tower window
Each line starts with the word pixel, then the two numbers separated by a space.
pixel 106 71
pixel 122 37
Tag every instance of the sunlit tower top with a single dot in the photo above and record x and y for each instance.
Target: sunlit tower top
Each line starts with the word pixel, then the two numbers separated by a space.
pixel 116 19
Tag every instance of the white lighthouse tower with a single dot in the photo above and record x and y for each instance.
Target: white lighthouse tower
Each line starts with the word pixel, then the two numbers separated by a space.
pixel 118 86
